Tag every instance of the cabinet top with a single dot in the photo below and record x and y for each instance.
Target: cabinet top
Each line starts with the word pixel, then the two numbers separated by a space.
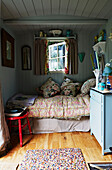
pixel 102 91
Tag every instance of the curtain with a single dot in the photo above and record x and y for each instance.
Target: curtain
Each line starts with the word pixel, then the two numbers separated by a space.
pixel 40 52
pixel 72 56
pixel 4 132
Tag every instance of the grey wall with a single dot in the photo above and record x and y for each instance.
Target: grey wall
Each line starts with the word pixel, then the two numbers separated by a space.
pixel 8 76
pixel 28 81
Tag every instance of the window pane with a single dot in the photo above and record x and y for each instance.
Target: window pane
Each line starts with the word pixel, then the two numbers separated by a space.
pixel 53 52
pixel 53 65
pixel 61 63
pixel 61 50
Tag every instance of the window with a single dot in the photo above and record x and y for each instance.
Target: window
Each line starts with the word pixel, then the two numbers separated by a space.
pixel 57 56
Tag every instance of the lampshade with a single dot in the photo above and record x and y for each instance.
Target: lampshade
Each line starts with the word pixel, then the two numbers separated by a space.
pixel 107 71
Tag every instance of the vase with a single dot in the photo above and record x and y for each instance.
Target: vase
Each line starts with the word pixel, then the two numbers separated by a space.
pixel 96 73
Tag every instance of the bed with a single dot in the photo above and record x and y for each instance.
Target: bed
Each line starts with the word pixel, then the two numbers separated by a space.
pixel 57 113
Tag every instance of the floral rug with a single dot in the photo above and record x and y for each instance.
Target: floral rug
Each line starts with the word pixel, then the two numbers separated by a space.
pixel 53 159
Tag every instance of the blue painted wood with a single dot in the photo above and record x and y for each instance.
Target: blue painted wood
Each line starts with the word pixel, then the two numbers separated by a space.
pixel 101 118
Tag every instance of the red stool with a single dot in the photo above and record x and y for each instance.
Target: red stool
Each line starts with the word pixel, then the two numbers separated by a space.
pixel 24 115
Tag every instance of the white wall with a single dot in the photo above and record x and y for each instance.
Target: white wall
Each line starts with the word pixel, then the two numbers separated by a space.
pixel 28 81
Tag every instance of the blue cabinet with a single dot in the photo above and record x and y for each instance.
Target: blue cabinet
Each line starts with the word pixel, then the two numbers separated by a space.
pixel 101 118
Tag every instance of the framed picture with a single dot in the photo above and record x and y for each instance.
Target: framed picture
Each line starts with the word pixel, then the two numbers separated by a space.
pixel 26 57
pixel 7 49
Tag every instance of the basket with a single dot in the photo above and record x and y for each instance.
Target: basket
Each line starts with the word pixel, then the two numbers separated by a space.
pixel 110 79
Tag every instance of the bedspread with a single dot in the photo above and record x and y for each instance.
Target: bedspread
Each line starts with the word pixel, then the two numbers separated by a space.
pixel 61 107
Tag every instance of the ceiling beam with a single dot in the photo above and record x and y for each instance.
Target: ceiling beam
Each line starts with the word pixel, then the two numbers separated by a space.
pixel 55 22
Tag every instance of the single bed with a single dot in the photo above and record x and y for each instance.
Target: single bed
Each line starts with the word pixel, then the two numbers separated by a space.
pixel 55 114
pixel 60 114
pixel 58 110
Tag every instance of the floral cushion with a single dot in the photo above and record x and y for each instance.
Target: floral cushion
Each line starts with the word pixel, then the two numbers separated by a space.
pixel 50 88
pixel 87 85
pixel 69 88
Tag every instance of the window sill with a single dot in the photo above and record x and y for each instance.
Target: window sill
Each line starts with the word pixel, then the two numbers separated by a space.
pixel 56 71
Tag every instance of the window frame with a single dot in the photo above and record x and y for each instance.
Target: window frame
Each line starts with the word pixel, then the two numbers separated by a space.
pixel 58 43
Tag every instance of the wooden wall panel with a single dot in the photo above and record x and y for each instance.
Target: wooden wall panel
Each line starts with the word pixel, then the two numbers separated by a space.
pixel 28 81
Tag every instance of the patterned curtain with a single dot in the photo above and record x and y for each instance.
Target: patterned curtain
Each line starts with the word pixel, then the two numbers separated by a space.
pixel 72 56
pixel 40 56
pixel 46 58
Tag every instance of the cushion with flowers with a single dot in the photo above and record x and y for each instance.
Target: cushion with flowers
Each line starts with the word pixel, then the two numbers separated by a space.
pixel 87 85
pixel 69 88
pixel 50 88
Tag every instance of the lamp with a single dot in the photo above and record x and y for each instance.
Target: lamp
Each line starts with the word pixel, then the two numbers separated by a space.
pixel 107 71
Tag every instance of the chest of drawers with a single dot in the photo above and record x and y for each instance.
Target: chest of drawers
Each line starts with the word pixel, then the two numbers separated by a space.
pixel 101 118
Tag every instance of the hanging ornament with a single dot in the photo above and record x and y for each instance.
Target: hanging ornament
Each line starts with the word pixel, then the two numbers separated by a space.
pixel 81 56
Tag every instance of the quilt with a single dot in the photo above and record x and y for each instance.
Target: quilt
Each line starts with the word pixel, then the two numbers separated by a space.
pixel 60 107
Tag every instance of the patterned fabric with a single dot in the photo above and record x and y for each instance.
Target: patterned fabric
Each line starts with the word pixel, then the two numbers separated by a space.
pixel 50 88
pixel 68 88
pixel 87 85
pixel 64 107
pixel 20 100
pixel 63 159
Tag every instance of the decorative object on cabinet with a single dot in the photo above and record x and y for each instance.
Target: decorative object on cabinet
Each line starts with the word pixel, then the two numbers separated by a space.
pixel 41 34
pixel 110 37
pixel 55 33
pixel 26 57
pixel 101 86
pixel 7 49
pixel 68 33
pixel 110 79
pixel 81 56
pixel 100 47
pixel 101 118
pixel 96 73
pixel 102 36
pixel 107 71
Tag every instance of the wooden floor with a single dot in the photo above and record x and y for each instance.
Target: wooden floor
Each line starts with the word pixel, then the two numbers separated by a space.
pixel 91 149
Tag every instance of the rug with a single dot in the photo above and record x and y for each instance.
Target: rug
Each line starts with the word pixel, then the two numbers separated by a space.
pixel 53 159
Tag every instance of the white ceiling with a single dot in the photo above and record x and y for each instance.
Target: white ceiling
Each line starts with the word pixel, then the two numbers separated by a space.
pixel 33 15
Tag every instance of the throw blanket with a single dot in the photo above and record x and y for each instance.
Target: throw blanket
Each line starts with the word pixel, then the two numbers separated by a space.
pixel 60 107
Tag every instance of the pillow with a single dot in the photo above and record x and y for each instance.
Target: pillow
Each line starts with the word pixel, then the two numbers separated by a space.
pixel 87 85
pixel 50 88
pixel 69 88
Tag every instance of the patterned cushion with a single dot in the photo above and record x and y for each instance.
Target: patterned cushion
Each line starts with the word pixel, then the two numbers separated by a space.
pixel 50 88
pixel 87 85
pixel 69 88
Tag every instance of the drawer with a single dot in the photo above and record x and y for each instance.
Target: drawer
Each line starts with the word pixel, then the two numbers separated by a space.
pixel 96 96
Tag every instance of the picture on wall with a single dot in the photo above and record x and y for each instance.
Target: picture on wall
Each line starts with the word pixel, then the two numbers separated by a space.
pixel 7 49
pixel 26 57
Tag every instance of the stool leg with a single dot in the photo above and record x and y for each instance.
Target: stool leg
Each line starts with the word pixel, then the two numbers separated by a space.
pixel 20 132
pixel 29 125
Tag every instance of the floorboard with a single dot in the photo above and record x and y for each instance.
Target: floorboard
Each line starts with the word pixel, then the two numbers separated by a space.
pixel 88 144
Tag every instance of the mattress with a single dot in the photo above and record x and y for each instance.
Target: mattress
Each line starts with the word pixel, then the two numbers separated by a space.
pixel 39 126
